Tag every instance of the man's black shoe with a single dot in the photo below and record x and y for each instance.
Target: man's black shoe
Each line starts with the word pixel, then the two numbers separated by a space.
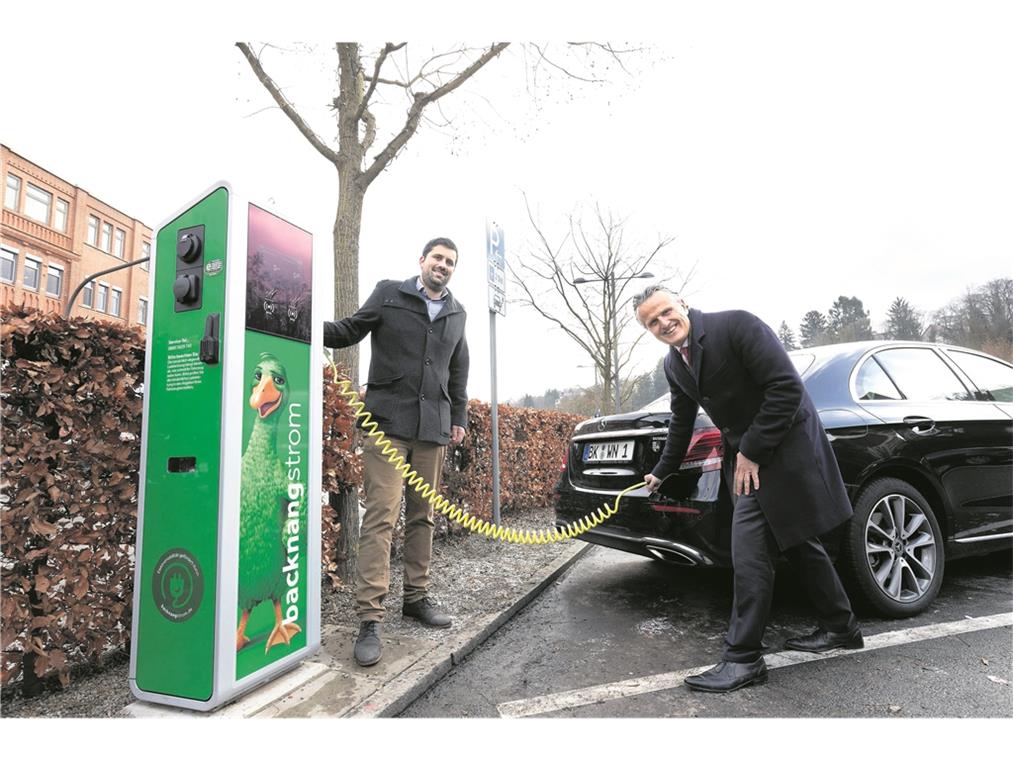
pixel 822 640
pixel 367 645
pixel 426 612
pixel 729 676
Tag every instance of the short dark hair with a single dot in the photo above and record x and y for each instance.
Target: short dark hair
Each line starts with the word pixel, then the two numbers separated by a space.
pixel 445 242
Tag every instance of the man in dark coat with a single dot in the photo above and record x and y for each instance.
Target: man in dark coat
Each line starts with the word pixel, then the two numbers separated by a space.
pixel 417 394
pixel 784 477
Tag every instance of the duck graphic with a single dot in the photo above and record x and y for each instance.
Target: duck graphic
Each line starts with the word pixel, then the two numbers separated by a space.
pixel 263 498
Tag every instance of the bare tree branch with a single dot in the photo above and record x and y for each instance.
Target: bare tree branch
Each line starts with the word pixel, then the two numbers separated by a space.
pixel 590 313
pixel 389 48
pixel 288 109
pixel 570 74
pixel 415 113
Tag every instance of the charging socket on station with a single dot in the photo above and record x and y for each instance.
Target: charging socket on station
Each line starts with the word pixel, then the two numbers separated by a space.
pixel 189 268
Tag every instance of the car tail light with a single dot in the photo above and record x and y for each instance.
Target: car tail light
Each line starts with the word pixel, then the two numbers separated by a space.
pixel 566 458
pixel 705 450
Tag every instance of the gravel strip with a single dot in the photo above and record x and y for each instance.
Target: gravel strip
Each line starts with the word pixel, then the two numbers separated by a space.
pixel 472 576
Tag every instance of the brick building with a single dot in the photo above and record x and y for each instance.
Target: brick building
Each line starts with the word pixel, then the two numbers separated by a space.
pixel 54 234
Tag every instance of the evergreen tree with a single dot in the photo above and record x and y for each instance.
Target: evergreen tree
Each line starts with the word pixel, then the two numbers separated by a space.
pixel 813 330
pixel 903 322
pixel 787 337
pixel 848 321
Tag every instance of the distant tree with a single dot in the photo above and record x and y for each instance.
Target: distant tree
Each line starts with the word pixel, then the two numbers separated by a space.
pixel 551 398
pixel 903 322
pixel 787 337
pixel 594 312
pixel 982 319
pixel 529 401
pixel 848 320
pixel 813 329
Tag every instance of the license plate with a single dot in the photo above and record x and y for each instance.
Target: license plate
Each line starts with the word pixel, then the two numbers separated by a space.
pixel 612 451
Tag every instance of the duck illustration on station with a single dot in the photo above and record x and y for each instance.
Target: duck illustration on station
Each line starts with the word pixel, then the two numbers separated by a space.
pixel 263 499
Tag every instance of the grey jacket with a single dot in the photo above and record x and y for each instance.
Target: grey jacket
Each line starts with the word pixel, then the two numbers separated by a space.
pixel 418 370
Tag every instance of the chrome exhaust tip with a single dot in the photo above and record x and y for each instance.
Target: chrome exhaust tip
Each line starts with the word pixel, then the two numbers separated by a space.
pixel 672 555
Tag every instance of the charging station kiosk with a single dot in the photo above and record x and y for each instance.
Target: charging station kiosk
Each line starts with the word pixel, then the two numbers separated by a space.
pixel 227 564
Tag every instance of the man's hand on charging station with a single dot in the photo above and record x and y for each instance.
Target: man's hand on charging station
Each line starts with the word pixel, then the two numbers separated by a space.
pixel 653 483
pixel 456 434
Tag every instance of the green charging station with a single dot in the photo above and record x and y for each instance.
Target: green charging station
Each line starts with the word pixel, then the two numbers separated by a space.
pixel 227 578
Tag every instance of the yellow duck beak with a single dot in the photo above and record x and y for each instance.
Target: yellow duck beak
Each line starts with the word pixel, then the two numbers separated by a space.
pixel 266 398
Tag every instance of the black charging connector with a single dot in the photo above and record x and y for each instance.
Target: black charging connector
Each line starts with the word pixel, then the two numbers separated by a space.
pixel 209 343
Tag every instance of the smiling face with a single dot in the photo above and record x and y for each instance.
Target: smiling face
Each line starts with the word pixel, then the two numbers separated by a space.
pixel 437 267
pixel 269 386
pixel 666 317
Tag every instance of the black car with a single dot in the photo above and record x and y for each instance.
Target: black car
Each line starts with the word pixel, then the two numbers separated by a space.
pixel 923 435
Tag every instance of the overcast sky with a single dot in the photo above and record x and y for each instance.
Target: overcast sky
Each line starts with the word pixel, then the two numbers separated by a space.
pixel 794 155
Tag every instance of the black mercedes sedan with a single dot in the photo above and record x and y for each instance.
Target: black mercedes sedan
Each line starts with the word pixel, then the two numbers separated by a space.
pixel 923 435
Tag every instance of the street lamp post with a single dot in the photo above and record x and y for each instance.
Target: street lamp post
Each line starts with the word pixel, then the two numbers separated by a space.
pixel 610 294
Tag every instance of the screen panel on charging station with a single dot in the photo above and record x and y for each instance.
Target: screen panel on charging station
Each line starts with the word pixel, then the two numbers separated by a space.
pixel 179 557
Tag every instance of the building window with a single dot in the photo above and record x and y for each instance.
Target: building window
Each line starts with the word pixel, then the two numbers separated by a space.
pixel 118 240
pixel 145 253
pixel 103 297
pixel 62 212
pixel 12 192
pixel 37 203
pixel 54 281
pixel 114 302
pixel 93 231
pixel 33 268
pixel 8 264
pixel 142 311
pixel 105 241
pixel 88 294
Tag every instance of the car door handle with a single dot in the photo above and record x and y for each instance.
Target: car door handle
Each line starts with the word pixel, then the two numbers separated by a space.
pixel 921 425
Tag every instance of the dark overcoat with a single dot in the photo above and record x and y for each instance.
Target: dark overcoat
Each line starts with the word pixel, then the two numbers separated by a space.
pixel 746 382
pixel 418 370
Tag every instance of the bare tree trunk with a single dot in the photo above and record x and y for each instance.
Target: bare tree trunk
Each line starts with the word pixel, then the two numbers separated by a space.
pixel 347 223
pixel 345 504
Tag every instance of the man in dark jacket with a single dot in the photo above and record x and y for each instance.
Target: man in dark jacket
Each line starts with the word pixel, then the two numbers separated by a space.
pixel 784 477
pixel 417 394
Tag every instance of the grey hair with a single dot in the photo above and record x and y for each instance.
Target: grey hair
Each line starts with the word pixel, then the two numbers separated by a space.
pixel 649 291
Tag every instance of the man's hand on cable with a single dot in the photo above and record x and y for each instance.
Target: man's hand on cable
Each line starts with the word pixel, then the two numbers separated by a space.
pixel 456 434
pixel 653 483
pixel 747 474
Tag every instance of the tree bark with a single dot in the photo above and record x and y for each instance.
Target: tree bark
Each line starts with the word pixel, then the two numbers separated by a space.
pixel 347 224
pixel 345 503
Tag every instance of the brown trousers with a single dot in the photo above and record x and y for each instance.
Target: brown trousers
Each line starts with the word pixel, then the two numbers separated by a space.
pixel 384 487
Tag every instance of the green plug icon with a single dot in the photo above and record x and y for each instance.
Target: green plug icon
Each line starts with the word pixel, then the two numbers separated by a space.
pixel 176 588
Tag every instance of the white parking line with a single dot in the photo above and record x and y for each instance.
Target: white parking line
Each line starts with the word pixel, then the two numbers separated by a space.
pixel 620 689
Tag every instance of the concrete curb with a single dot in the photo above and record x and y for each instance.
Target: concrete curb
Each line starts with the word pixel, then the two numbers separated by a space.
pixel 395 696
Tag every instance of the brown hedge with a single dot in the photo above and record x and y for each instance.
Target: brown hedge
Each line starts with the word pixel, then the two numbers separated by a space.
pixel 71 407
pixel 71 445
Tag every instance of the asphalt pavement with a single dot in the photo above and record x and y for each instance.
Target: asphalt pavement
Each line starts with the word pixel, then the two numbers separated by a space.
pixel 617 634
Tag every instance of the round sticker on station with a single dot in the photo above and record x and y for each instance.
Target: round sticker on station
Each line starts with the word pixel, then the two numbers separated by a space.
pixel 177 585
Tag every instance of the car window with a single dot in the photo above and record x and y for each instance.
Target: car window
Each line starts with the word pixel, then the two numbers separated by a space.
pixel 922 375
pixel 873 383
pixel 991 376
pixel 660 404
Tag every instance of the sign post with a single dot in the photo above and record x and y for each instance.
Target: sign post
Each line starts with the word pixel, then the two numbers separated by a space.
pixel 495 248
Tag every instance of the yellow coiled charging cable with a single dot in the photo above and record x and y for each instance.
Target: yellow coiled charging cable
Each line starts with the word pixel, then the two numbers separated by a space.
pixel 452 511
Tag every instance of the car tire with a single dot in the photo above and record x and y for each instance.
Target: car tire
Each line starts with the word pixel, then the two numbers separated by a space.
pixel 897 572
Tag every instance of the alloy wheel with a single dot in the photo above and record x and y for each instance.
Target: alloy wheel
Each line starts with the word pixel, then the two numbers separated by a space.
pixel 900 548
